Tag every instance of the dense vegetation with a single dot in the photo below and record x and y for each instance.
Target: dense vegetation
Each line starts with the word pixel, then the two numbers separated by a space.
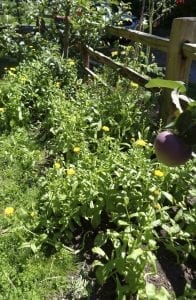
pixel 83 195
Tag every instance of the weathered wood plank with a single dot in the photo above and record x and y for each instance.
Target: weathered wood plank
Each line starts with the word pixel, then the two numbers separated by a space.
pixel 178 66
pixel 151 40
pixel 124 71
pixel 189 50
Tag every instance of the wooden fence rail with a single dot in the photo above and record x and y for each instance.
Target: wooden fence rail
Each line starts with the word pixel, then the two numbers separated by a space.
pixel 124 71
pixel 180 49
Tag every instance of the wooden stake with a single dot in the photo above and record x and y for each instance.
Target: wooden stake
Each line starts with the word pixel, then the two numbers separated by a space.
pixel 178 66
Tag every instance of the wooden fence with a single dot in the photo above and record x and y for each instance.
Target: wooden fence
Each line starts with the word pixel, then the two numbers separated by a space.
pixel 180 49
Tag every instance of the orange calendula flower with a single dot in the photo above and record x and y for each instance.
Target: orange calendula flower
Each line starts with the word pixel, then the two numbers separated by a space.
pixel 158 173
pixel 141 143
pixel 76 149
pixel 9 211
pixel 105 128
pixel 71 172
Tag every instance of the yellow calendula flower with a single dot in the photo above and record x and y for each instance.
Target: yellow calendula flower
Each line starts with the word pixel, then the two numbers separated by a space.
pixel 140 142
pixel 156 193
pixel 158 173
pixel 134 85
pixel 76 149
pixel 23 78
pixel 57 84
pixel 114 53
pixel 57 165
pixel 105 128
pixel 9 211
pixel 2 109
pixel 71 62
pixel 157 206
pixel 71 172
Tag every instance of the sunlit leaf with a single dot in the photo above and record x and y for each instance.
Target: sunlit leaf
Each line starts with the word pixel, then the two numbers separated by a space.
pixel 169 84
pixel 100 252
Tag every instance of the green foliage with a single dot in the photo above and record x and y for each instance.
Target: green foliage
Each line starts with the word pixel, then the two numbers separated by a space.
pixel 75 153
pixel 184 121
pixel 94 165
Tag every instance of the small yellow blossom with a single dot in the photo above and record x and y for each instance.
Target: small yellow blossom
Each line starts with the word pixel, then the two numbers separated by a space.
pixel 12 69
pixel 33 214
pixel 2 109
pixel 158 173
pixel 156 193
pixel 57 165
pixel 140 142
pixel 71 172
pixel 57 84
pixel 71 62
pixel 9 211
pixel 114 53
pixel 23 78
pixel 157 206
pixel 105 128
pixel 76 149
pixel 134 85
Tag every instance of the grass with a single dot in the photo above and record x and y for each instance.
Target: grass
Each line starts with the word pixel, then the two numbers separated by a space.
pixel 26 273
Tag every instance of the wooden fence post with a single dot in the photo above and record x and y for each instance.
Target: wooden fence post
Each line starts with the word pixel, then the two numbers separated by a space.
pixel 178 66
pixel 85 57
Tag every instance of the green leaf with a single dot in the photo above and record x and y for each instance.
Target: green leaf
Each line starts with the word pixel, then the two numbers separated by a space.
pixel 186 124
pixel 134 255
pixel 100 252
pixel 152 261
pixel 100 239
pixel 100 274
pixel 169 84
pixel 150 290
pixel 123 223
pixel 96 219
pixel 168 196
pixel 97 263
